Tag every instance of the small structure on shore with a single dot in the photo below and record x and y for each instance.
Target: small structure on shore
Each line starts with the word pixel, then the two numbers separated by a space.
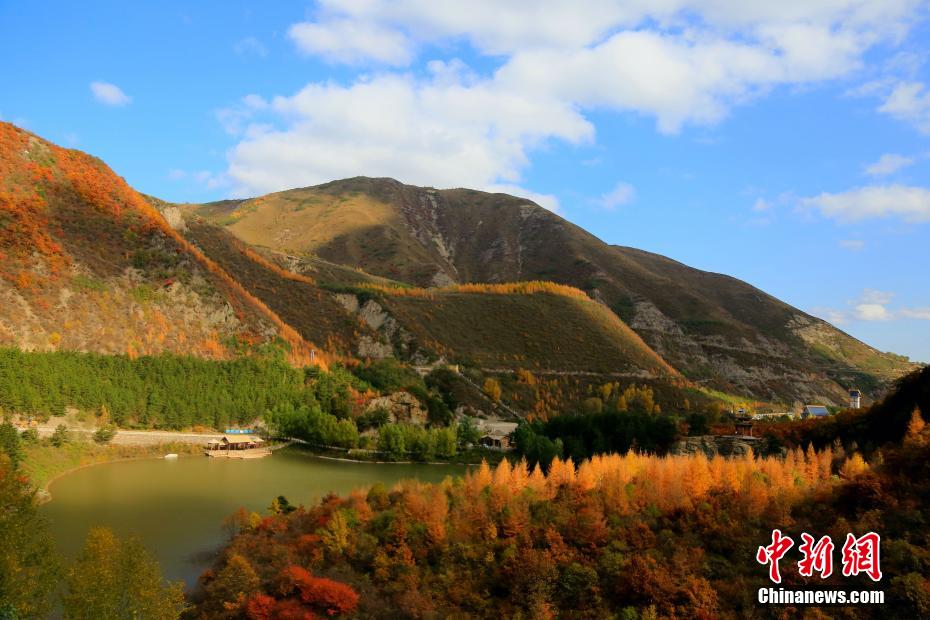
pixel 496 434
pixel 237 447
pixel 814 411
pixel 495 440
pixel 743 427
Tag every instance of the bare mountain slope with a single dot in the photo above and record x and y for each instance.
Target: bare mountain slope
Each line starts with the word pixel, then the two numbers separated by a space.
pixel 715 329
pixel 86 263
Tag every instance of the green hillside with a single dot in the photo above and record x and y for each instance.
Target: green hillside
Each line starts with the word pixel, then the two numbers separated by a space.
pixel 537 331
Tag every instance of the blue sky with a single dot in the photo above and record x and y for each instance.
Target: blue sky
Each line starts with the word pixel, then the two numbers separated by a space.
pixel 786 144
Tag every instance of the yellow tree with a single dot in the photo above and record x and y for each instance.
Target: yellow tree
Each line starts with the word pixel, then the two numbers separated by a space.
pixel 492 388
pixel 853 466
pixel 114 579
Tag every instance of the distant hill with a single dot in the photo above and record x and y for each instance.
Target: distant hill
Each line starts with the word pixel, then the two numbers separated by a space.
pixel 86 263
pixel 716 330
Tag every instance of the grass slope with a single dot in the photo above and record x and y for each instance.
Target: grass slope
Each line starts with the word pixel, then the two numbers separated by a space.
pixel 353 225
pixel 538 331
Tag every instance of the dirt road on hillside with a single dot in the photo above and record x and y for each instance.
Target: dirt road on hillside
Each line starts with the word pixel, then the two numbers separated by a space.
pixel 136 438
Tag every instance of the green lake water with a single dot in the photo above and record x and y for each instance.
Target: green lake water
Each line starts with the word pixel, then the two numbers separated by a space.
pixel 176 507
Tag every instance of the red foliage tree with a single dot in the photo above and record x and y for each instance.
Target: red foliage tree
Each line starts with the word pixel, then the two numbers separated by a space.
pixel 332 597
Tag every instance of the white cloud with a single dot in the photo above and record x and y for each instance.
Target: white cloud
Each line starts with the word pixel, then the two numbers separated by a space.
pixel 176 174
pixel 872 312
pixel 762 205
pixel 680 79
pixel 501 27
pixel 553 62
pixel 921 314
pixel 255 102
pixel 853 245
pixel 621 194
pixel 250 46
pixel 873 296
pixel 872 305
pixel 680 61
pixel 236 119
pixel 109 94
pixel 889 163
pixel 909 102
pixel 911 204
pixel 352 41
pixel 446 131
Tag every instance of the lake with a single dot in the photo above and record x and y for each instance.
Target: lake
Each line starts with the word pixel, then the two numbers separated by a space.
pixel 176 507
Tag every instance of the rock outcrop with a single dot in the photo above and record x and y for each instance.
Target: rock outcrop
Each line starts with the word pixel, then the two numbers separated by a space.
pixel 400 407
pixel 723 445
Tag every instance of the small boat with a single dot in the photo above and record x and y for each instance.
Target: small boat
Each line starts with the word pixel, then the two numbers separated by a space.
pixel 171 456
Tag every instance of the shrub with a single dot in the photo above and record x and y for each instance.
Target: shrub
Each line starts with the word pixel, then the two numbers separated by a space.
pixel 438 411
pixel 30 435
pixel 467 433
pixel 61 436
pixel 10 443
pixel 104 434
pixel 389 375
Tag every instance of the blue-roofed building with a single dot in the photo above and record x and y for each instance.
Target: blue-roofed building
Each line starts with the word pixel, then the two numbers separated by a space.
pixel 814 411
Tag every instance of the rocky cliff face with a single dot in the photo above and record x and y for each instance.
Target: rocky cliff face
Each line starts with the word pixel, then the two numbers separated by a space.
pixel 400 407
pixel 87 263
pixel 721 445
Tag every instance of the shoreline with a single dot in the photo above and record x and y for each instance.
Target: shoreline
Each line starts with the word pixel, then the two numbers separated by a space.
pixel 348 460
pixel 44 494
pixel 321 453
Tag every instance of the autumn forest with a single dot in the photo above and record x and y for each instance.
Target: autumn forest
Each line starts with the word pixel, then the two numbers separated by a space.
pixel 616 450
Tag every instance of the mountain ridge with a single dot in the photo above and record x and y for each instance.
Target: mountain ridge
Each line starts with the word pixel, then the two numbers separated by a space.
pixel 714 328
pixel 91 264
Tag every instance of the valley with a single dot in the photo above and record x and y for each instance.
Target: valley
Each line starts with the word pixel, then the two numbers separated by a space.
pixel 490 408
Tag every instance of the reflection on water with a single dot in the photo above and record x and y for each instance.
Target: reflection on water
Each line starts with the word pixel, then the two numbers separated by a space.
pixel 177 507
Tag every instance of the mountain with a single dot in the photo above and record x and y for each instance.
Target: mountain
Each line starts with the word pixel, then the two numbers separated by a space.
pixel 87 263
pixel 338 271
pixel 90 264
pixel 499 328
pixel 717 330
